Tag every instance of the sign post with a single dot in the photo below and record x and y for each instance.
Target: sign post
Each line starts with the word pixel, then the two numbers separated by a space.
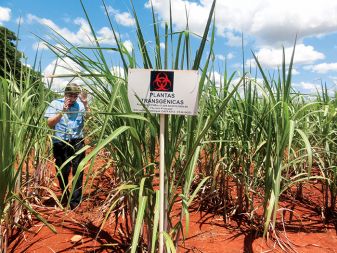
pixel 163 92
pixel 162 215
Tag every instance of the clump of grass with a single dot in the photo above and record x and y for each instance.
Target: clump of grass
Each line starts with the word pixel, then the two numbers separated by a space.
pixel 21 130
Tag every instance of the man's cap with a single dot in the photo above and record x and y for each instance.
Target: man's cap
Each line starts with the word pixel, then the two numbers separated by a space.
pixel 72 88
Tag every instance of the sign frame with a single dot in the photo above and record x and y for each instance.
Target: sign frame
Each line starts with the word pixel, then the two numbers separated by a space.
pixel 163 91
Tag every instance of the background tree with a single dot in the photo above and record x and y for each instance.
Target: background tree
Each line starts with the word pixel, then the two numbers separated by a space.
pixel 10 63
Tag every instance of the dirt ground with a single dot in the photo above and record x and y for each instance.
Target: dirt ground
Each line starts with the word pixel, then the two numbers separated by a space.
pixel 206 234
pixel 77 230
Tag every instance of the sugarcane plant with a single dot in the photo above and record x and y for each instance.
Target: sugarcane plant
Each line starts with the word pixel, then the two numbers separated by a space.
pixel 21 127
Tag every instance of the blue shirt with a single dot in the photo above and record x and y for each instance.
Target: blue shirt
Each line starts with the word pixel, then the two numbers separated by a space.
pixel 71 124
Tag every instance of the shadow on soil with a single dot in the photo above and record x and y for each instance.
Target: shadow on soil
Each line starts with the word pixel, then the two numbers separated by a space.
pixel 295 215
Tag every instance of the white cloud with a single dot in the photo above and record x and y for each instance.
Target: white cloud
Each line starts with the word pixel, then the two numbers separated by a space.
pixel 217 77
pixel 60 72
pixel 232 39
pixel 128 45
pixel 230 56
pixel 118 71
pixel 40 46
pixel 125 19
pixel 162 45
pixel 314 88
pixel 295 72
pixel 122 18
pixel 270 57
pixel 324 67
pixel 106 36
pixel 306 87
pixel 19 21
pixel 82 36
pixel 196 13
pixel 270 21
pixel 55 72
pixel 5 14
pixel 220 57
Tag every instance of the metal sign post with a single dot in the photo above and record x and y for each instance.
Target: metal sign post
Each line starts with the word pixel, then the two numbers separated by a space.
pixel 162 215
pixel 163 92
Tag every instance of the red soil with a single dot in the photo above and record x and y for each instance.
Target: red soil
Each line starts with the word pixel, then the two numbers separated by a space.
pixel 305 231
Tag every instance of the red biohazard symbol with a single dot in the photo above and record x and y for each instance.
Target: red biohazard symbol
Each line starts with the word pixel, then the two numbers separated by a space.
pixel 162 82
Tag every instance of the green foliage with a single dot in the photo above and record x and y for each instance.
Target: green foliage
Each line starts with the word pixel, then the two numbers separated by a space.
pixel 11 66
pixel 9 55
pixel 22 135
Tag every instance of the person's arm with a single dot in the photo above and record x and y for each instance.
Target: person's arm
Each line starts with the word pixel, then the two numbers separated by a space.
pixel 84 99
pixel 52 121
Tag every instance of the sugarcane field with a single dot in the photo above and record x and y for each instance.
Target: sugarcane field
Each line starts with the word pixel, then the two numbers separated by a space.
pixel 198 126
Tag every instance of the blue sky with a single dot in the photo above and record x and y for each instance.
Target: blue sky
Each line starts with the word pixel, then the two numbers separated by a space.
pixel 267 25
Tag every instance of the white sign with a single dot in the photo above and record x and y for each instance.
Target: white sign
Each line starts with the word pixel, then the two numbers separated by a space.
pixel 163 91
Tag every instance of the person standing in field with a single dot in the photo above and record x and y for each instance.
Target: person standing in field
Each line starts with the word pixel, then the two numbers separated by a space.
pixel 66 116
